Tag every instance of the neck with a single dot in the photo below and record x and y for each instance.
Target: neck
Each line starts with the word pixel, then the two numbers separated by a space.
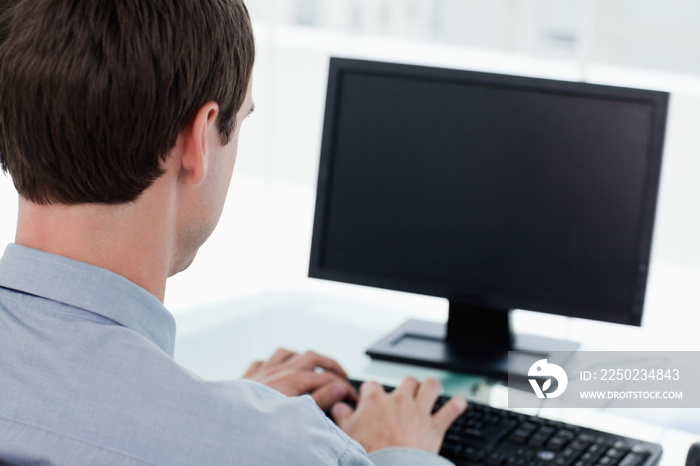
pixel 132 240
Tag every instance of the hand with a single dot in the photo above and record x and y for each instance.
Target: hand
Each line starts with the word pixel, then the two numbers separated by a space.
pixel 401 418
pixel 298 374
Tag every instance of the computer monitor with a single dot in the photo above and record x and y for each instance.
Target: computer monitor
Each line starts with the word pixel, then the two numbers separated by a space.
pixel 493 191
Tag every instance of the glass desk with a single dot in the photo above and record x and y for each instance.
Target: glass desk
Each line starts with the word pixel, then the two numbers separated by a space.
pixel 219 342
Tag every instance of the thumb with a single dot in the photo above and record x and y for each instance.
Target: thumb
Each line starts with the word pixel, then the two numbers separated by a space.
pixel 341 412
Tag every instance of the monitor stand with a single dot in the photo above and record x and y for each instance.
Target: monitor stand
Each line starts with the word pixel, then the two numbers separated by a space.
pixel 475 340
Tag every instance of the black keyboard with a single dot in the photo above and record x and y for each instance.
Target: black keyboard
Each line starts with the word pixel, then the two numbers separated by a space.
pixel 490 436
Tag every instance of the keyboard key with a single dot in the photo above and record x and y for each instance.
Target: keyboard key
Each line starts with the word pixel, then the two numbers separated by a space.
pixel 621 445
pixel 632 459
pixel 557 443
pixel 640 448
pixel 496 459
pixel 615 453
pixel 589 457
pixel 578 445
pixel 595 448
pixel 450 448
pixel 470 454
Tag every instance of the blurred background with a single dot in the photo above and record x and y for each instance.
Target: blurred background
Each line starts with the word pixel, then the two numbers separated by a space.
pixel 264 235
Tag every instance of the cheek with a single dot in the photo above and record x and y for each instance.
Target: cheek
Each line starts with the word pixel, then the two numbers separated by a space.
pixel 230 164
pixel 228 159
pixel 223 174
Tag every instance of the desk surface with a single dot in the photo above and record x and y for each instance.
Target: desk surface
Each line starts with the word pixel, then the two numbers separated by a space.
pixel 220 341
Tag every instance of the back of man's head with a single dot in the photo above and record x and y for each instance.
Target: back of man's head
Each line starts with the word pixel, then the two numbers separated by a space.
pixel 94 93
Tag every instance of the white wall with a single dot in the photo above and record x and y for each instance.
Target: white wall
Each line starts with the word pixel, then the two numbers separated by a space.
pixel 291 80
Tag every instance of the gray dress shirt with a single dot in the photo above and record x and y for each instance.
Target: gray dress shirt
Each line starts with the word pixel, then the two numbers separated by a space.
pixel 87 377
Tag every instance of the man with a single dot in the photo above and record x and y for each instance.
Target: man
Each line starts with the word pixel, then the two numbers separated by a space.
pixel 119 125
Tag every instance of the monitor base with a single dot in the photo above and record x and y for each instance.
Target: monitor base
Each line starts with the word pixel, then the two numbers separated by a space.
pixel 424 343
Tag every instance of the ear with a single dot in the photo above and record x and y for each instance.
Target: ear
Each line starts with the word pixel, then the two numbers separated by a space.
pixel 196 139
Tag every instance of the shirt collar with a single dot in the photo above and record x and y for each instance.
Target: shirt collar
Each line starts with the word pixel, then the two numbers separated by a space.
pixel 89 288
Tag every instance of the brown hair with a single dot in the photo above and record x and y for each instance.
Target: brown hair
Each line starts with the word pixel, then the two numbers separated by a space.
pixel 94 93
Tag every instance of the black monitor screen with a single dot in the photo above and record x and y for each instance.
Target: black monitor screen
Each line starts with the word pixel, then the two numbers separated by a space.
pixel 492 190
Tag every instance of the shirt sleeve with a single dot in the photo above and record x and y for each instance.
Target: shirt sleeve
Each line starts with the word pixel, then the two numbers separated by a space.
pixel 407 457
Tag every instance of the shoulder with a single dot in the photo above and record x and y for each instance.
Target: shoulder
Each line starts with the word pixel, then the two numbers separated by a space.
pixel 110 389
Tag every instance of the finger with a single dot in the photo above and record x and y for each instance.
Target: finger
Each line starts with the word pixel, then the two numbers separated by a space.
pixel 308 381
pixel 311 360
pixel 449 412
pixel 352 395
pixel 367 389
pixel 341 412
pixel 408 387
pixel 252 369
pixel 329 394
pixel 280 356
pixel 428 393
